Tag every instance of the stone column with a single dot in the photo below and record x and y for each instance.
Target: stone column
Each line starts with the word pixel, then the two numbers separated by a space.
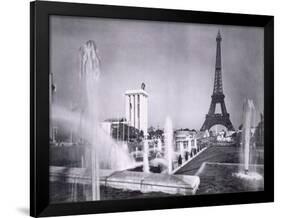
pixel 134 111
pixel 137 111
pixel 181 149
pixel 127 107
pixel 189 147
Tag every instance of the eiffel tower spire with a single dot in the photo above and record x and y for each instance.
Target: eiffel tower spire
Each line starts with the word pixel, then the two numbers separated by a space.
pixel 213 118
pixel 218 77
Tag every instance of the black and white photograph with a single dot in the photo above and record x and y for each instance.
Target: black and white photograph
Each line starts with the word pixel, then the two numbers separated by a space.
pixel 147 109
pixel 140 108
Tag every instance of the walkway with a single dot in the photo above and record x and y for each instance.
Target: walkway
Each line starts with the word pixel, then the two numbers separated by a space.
pixel 228 154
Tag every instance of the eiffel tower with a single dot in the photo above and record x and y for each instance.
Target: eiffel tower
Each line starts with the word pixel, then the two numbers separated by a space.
pixel 213 118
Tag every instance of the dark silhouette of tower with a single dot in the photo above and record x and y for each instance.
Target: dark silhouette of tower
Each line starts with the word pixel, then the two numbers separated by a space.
pixel 213 118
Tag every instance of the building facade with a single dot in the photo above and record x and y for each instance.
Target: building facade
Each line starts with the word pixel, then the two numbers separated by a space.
pixel 185 142
pixel 119 129
pixel 137 109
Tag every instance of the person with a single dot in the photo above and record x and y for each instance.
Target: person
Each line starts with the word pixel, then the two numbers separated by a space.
pixel 180 160
pixel 186 156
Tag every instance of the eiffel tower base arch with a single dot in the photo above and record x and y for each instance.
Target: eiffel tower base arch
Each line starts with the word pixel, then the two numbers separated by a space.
pixel 217 119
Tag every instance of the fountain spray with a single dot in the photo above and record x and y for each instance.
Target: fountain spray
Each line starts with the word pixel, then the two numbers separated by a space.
pixel 145 155
pixel 248 122
pixel 89 75
pixel 248 144
pixel 169 144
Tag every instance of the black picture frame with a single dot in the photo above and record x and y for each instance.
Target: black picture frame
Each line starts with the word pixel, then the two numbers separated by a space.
pixel 39 107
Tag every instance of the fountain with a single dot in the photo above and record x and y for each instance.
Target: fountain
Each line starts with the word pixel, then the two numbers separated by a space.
pixel 118 160
pixel 248 147
pixel 102 155
pixel 111 155
pixel 159 145
pixel 169 153
pixel 89 75
pixel 100 150
pixel 145 155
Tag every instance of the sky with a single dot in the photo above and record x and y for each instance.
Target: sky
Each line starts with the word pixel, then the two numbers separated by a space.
pixel 176 61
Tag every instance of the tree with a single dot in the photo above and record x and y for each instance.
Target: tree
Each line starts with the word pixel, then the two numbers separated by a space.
pixel 151 131
pixel 159 132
